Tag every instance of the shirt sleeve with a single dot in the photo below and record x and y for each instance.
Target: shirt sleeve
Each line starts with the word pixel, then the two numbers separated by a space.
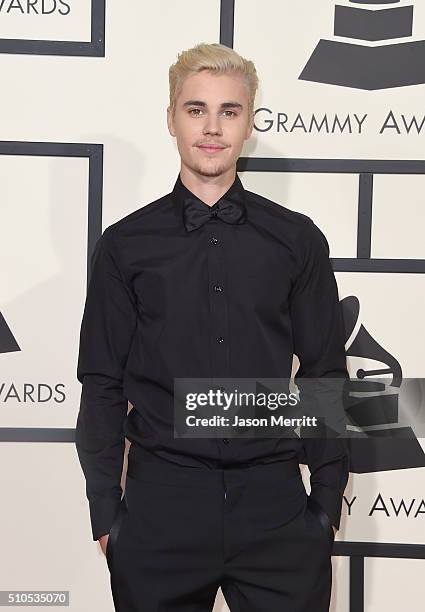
pixel 107 329
pixel 319 338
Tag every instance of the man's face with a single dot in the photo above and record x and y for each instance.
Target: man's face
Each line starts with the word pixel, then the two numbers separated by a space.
pixel 211 109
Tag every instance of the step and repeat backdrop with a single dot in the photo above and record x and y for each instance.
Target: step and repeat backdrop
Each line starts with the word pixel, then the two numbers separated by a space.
pixel 339 135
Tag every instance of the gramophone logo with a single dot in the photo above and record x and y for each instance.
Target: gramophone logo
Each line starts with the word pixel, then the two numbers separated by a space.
pixel 371 61
pixel 8 343
pixel 380 443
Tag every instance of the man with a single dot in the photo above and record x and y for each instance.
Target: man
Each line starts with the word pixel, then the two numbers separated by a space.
pixel 209 281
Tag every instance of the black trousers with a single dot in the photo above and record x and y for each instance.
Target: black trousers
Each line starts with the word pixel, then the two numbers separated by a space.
pixel 183 532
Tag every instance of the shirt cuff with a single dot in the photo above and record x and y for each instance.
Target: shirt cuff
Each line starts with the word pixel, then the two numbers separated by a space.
pixel 102 514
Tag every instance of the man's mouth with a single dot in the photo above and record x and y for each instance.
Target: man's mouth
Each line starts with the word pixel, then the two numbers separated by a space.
pixel 211 148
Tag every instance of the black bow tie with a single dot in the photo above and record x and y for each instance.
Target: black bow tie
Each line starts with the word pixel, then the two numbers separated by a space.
pixel 229 209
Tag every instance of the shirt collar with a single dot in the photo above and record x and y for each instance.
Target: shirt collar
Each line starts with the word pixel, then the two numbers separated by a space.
pixel 181 193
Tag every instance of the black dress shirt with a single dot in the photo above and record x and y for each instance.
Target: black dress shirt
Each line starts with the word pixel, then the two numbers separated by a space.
pixel 182 289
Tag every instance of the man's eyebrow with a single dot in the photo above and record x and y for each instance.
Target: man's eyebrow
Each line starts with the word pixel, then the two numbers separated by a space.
pixel 229 104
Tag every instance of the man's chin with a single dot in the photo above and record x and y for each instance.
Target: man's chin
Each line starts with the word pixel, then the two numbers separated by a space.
pixel 210 170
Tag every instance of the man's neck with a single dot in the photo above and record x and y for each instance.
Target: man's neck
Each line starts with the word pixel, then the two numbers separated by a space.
pixel 209 189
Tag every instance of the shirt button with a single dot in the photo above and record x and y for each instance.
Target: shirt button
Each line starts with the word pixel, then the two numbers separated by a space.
pixel 220 339
pixel 226 440
pixel 218 288
pixel 214 240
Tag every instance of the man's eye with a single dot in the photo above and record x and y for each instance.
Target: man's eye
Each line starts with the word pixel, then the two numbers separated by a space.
pixel 230 111
pixel 194 109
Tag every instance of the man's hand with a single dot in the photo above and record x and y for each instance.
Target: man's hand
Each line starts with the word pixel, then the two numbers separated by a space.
pixel 103 541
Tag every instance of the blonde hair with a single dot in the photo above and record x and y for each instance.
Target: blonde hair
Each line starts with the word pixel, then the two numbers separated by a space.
pixel 216 58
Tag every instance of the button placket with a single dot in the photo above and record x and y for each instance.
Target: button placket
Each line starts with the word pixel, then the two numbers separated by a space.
pixel 219 328
pixel 219 333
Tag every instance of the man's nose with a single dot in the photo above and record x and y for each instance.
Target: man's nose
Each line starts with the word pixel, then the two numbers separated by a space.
pixel 212 125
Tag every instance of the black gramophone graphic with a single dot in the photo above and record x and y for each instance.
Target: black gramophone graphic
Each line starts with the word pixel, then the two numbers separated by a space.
pixel 382 444
pixel 8 343
pixel 369 62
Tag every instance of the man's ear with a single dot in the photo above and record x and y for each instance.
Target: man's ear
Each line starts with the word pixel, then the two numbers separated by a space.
pixel 170 121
